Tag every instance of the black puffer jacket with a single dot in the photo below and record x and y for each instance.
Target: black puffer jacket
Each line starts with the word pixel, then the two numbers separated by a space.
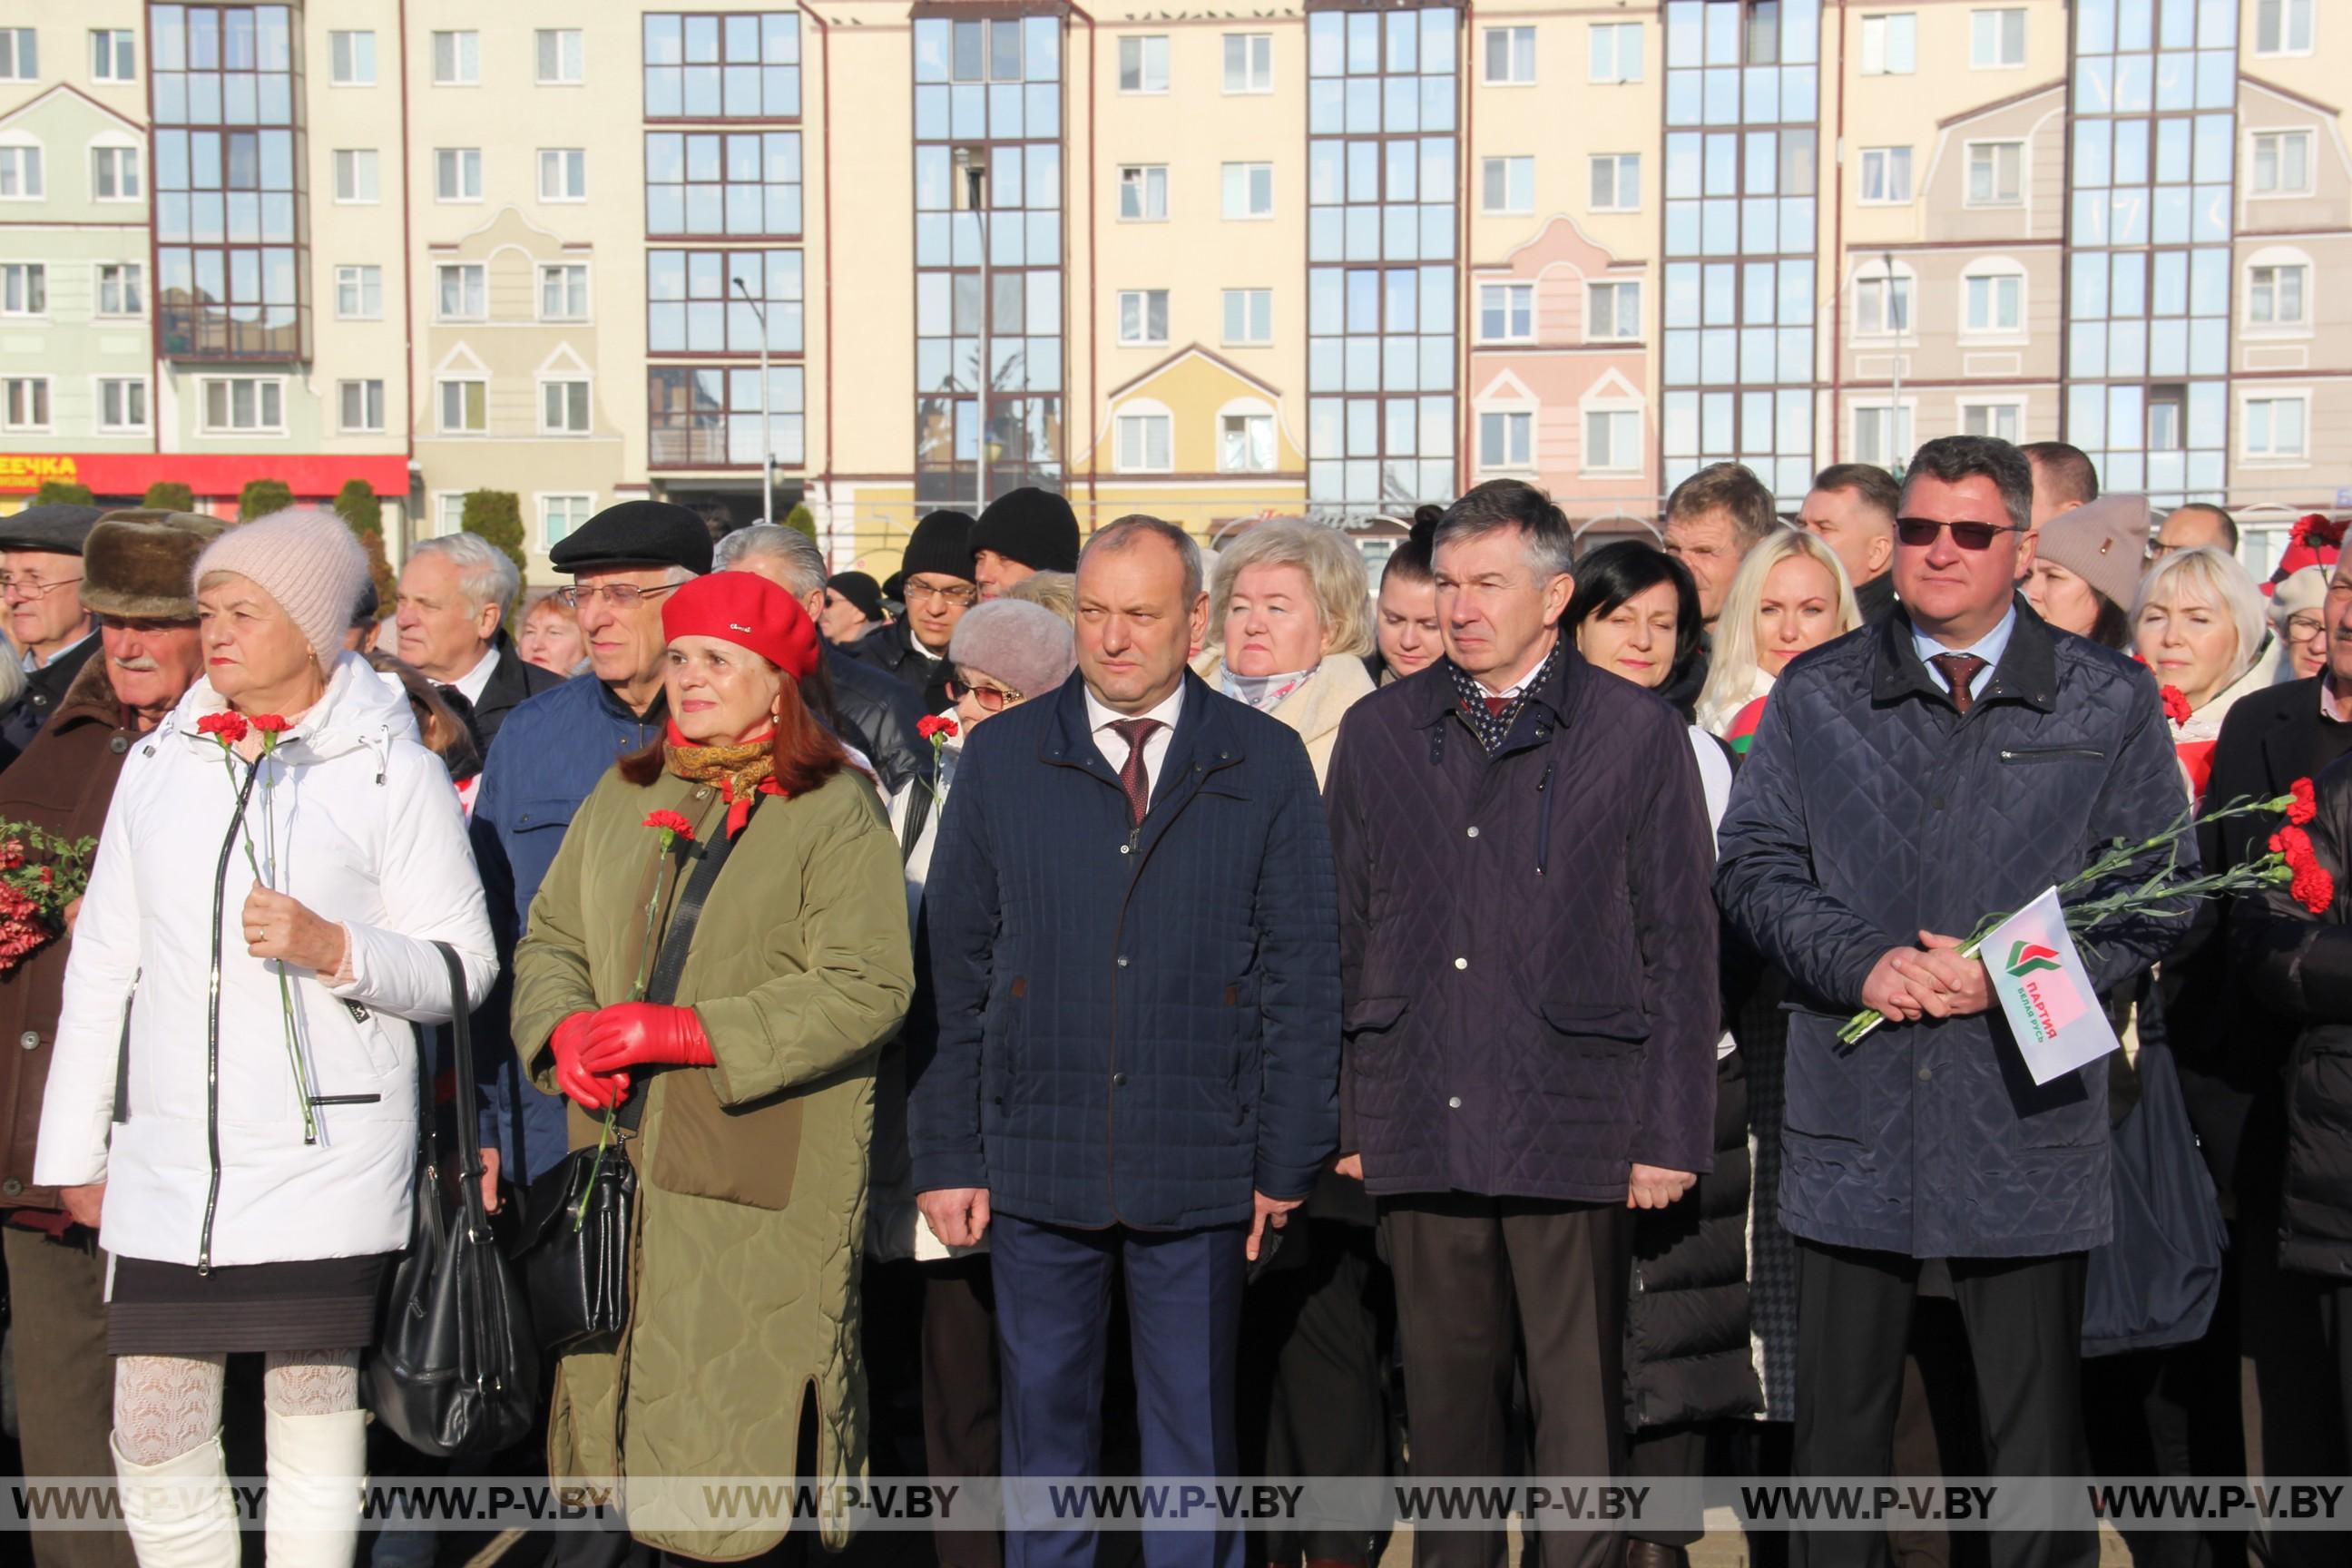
pixel 1687 1354
pixel 877 717
pixel 2303 964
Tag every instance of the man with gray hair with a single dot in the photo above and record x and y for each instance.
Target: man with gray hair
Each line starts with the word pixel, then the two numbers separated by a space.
pixel 863 706
pixel 455 593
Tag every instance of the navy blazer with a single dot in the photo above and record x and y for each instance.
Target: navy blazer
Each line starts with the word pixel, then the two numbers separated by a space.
pixel 1128 1026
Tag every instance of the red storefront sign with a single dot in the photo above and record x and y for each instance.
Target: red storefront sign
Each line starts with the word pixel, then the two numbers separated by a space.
pixel 310 475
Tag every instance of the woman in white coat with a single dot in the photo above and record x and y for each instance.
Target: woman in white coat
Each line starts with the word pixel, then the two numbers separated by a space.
pixel 234 1099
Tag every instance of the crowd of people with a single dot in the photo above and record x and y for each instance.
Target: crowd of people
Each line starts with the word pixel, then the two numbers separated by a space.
pixel 1084 992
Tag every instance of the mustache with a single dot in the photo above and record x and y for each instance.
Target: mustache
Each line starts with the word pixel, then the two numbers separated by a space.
pixel 140 666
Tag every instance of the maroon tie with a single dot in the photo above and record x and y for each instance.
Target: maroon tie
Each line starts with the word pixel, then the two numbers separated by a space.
pixel 1959 673
pixel 1498 706
pixel 1134 777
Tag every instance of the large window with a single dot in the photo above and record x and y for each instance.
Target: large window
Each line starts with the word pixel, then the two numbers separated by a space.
pixel 1246 442
pixel 359 293
pixel 1506 184
pixel 1882 434
pixel 20 174
pixel 2275 295
pixel 1882 306
pixel 24 289
pixel 1142 317
pixel 461 291
pixel 2283 27
pixel 1736 317
pixel 560 515
pixel 1890 44
pixel 563 56
pixel 122 290
pixel 2282 163
pixel 351 59
pixel 20 54
pixel 702 418
pixel 114 175
pixel 1612 440
pixel 465 405
pixel 1506 312
pixel 243 405
pixel 1510 56
pixel 1143 193
pixel 2003 421
pixel 1507 440
pixel 122 405
pixel 1997 39
pixel 564 408
pixel 24 403
pixel 1249 62
pixel 1249 316
pixel 1996 173
pixel 1612 311
pixel 230 183
pixel 2276 426
pixel 355 175
pixel 564 290
pixel 2150 207
pixel 723 182
pixel 1383 274
pixel 359 407
pixel 739 66
pixel 1248 190
pixel 1616 181
pixel 458 174
pixel 113 57
pixel 989 173
pixel 1614 52
pixel 1886 176
pixel 694 304
pixel 1146 444
pixel 1143 63
pixel 563 175
pixel 456 59
pixel 1993 304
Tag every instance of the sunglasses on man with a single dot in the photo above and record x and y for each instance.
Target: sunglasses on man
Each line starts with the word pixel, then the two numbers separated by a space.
pixel 1918 533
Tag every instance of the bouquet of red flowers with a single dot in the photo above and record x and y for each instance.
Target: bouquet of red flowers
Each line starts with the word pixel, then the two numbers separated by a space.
pixel 40 873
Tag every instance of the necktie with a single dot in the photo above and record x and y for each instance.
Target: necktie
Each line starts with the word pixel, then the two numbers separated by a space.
pixel 1498 706
pixel 1134 777
pixel 1959 672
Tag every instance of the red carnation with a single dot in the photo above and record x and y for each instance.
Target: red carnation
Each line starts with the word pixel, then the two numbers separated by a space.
pixel 2316 531
pixel 673 823
pixel 2312 888
pixel 12 855
pixel 2176 704
pixel 2292 842
pixel 229 728
pixel 931 726
pixel 2306 805
pixel 271 723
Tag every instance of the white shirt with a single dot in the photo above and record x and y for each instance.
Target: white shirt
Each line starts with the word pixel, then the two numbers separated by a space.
pixel 1526 676
pixel 34 663
pixel 472 682
pixel 1113 745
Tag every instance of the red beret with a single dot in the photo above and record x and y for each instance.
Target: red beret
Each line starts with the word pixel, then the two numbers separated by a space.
pixel 748 611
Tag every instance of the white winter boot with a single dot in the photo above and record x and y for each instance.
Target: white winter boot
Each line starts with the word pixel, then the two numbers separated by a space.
pixel 317 1467
pixel 179 1513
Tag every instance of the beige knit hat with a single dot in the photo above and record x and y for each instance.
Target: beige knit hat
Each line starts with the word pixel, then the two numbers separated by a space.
pixel 2104 543
pixel 309 562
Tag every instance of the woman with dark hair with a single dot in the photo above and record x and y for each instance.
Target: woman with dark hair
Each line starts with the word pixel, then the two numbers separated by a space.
pixel 1404 619
pixel 1635 614
pixel 753 1059
pixel 2088 565
pixel 439 725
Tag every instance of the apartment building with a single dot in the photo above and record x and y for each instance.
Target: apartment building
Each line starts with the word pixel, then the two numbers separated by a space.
pixel 1337 259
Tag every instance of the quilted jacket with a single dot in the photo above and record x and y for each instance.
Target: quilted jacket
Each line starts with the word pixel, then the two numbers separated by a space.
pixel 1119 1026
pixel 1527 942
pixel 752 1170
pixel 1869 810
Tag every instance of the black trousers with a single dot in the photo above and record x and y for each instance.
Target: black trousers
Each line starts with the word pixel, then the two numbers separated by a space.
pixel 2024 1323
pixel 1312 1400
pixel 960 1436
pixel 1466 1266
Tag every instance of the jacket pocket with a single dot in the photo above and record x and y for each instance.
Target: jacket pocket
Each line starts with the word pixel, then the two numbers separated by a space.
pixel 746 1156
pixel 2019 755
pixel 1369 1025
pixel 1603 1030
pixel 1000 1040
pixel 545 813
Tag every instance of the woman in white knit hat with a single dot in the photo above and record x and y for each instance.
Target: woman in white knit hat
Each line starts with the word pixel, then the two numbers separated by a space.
pixel 234 1097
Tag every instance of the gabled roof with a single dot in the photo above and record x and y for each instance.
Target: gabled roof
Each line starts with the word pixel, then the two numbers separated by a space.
pixel 69 87
pixel 1195 350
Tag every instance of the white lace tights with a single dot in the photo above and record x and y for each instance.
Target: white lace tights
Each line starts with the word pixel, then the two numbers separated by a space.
pixel 165 1405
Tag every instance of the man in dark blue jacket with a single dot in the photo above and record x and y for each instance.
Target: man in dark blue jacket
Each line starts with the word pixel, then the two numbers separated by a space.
pixel 623 563
pixel 1951 761
pixel 1130 1048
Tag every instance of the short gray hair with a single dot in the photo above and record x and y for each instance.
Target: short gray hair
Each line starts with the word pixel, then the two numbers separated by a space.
pixel 800 559
pixel 1122 534
pixel 486 575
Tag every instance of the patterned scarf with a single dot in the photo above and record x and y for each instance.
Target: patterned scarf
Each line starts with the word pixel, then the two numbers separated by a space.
pixel 742 771
pixel 1263 693
pixel 1492 728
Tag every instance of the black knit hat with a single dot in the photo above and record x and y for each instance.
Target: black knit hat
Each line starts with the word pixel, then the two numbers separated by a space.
pixel 1034 526
pixel 861 590
pixel 940 546
pixel 636 533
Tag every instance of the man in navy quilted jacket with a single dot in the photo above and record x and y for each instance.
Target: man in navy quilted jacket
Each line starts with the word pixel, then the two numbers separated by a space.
pixel 1125 1049
pixel 1951 761
pixel 1528 952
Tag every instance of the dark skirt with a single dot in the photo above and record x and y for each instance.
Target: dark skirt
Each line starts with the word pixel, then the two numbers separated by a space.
pixel 311 1304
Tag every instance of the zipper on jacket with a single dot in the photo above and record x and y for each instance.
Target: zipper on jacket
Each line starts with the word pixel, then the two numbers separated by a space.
pixel 1543 817
pixel 2033 753
pixel 212 1025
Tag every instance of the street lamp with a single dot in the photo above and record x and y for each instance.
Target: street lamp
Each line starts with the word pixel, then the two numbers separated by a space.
pixel 767 445
pixel 975 173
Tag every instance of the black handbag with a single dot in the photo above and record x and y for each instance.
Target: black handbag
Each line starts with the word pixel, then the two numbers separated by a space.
pixel 2157 1281
pixel 454 1370
pixel 580 1217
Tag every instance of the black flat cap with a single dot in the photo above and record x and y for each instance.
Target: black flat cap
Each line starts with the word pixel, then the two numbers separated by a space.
pixel 636 533
pixel 59 528
pixel 861 590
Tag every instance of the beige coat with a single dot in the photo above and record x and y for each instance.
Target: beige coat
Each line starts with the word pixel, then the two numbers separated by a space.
pixel 1314 710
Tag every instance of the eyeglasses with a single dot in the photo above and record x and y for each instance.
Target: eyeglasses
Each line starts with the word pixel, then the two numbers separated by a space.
pixel 991 699
pixel 620 595
pixel 2300 629
pixel 961 594
pixel 16 587
pixel 1920 531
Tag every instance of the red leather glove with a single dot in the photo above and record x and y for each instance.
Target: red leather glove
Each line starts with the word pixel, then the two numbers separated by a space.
pixel 585 1088
pixel 629 1033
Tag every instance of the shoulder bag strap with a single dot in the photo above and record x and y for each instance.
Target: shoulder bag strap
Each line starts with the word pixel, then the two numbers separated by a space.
pixel 461 1035
pixel 669 962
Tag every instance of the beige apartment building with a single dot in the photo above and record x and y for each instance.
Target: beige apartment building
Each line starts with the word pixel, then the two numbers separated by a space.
pixel 1331 260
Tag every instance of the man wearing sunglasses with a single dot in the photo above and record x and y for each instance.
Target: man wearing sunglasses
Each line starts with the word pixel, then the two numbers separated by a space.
pixel 1953 761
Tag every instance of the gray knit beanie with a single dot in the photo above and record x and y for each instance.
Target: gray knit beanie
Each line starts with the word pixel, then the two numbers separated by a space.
pixel 2104 543
pixel 1027 646
pixel 309 562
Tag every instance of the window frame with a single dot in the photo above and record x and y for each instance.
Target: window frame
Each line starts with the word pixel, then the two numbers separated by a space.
pixel 136 278
pixel 1511 291
pixel 1519 64
pixel 145 426
pixel 440 269
pixel 2281 135
pixel 114 154
pixel 1257 74
pixel 1992 145
pixel 1994 270
pixel 1141 416
pixel 33 270
pixel 1224 317
pixel 1904 284
pixel 1907 409
pixel 2310 13
pixel 1511 163
pixel 1143 187
pixel 457 52
pixel 1508 413
pixel 2000 62
pixel 1246 411
pixel 2279 261
pixel 537 63
pixel 361 384
pixel 350 57
pixel 1886 158
pixel 1885 21
pixel 1250 174
pixel 260 384
pixel 373 163
pixel 357 272
pixel 1610 408
pixel 2250 396
pixel 47 398
pixel 30 157
pixel 1616 163
pixel 18 37
pixel 548 383
pixel 460 167
pixel 587 298
pixel 1965 403
pixel 569 161
pixel 104 45
pixel 587 499
pixel 1143 298
pixel 441 388
pixel 1143 42
pixel 1616 288
pixel 1616 33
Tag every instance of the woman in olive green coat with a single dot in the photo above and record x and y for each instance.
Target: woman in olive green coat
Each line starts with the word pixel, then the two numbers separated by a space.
pixel 752 1153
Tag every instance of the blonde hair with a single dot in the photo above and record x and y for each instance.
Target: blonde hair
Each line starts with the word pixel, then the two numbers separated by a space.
pixel 1056 591
pixel 1733 671
pixel 547 602
pixel 2217 578
pixel 1336 568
